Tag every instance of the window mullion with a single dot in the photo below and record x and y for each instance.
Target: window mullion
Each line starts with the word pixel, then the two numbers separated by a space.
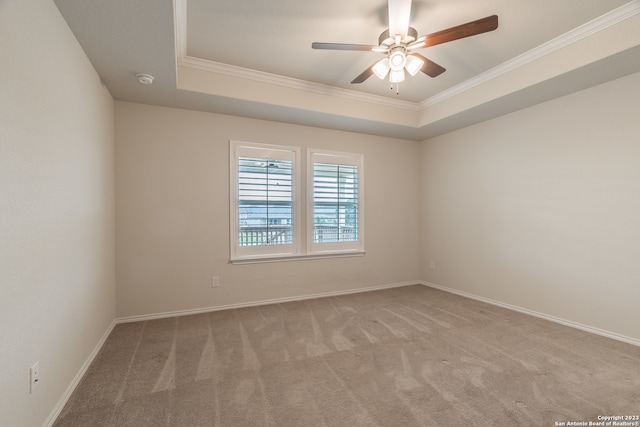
pixel 266 213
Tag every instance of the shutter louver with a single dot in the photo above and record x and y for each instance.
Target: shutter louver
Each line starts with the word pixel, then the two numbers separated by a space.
pixel 265 201
pixel 335 203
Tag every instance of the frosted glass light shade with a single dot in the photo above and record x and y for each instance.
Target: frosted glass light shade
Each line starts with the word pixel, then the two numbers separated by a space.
pixel 381 68
pixel 396 76
pixel 414 64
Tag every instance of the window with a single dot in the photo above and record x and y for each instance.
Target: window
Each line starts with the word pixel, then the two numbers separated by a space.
pixel 335 205
pixel 265 217
pixel 268 192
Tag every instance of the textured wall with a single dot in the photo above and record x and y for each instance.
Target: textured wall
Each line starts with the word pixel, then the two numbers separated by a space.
pixel 172 212
pixel 57 287
pixel 540 208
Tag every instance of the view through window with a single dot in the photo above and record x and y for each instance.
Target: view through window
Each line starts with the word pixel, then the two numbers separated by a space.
pixel 335 203
pixel 281 209
pixel 265 201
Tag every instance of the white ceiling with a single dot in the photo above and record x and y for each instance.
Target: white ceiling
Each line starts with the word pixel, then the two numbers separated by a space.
pixel 253 57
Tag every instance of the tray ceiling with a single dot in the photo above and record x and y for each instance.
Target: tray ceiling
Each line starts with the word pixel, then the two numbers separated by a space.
pixel 254 59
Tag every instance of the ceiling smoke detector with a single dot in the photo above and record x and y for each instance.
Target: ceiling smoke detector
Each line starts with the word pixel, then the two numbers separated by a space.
pixel 145 79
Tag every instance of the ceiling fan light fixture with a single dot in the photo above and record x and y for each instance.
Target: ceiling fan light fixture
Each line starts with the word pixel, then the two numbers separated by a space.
pixel 396 76
pixel 414 64
pixel 397 60
pixel 381 68
pixel 399 41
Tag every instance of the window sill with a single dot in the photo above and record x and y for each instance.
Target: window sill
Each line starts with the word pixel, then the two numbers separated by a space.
pixel 282 258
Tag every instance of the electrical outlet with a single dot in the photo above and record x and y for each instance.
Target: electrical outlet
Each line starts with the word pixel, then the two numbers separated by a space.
pixel 35 376
pixel 215 281
pixel 432 265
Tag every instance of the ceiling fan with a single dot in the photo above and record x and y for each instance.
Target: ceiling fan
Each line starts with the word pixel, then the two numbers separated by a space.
pixel 400 41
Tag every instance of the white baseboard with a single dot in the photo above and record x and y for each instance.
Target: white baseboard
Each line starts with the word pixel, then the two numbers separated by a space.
pixel 76 380
pixel 261 302
pixel 554 319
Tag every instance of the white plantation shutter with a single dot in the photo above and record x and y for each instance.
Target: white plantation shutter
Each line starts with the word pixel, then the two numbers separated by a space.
pixel 264 209
pixel 335 203
pixel 265 201
pixel 281 209
pixel 335 208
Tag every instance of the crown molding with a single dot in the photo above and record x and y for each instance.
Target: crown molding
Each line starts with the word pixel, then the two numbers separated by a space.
pixel 600 23
pixel 180 29
pixel 292 83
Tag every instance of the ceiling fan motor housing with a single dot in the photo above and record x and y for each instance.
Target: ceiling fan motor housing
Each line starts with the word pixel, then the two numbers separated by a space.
pixel 387 40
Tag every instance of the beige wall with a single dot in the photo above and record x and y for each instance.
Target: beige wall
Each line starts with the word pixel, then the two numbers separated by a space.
pixel 172 213
pixel 541 208
pixel 57 287
pixel 538 209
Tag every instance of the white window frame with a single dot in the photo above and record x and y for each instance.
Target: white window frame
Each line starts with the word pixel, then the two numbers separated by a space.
pixel 273 152
pixel 303 246
pixel 336 158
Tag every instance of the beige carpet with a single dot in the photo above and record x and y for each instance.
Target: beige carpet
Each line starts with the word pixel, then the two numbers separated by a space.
pixel 411 356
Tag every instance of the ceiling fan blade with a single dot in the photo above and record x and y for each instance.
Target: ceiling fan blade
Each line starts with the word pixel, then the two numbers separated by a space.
pixel 472 28
pixel 399 16
pixel 364 76
pixel 342 46
pixel 429 67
